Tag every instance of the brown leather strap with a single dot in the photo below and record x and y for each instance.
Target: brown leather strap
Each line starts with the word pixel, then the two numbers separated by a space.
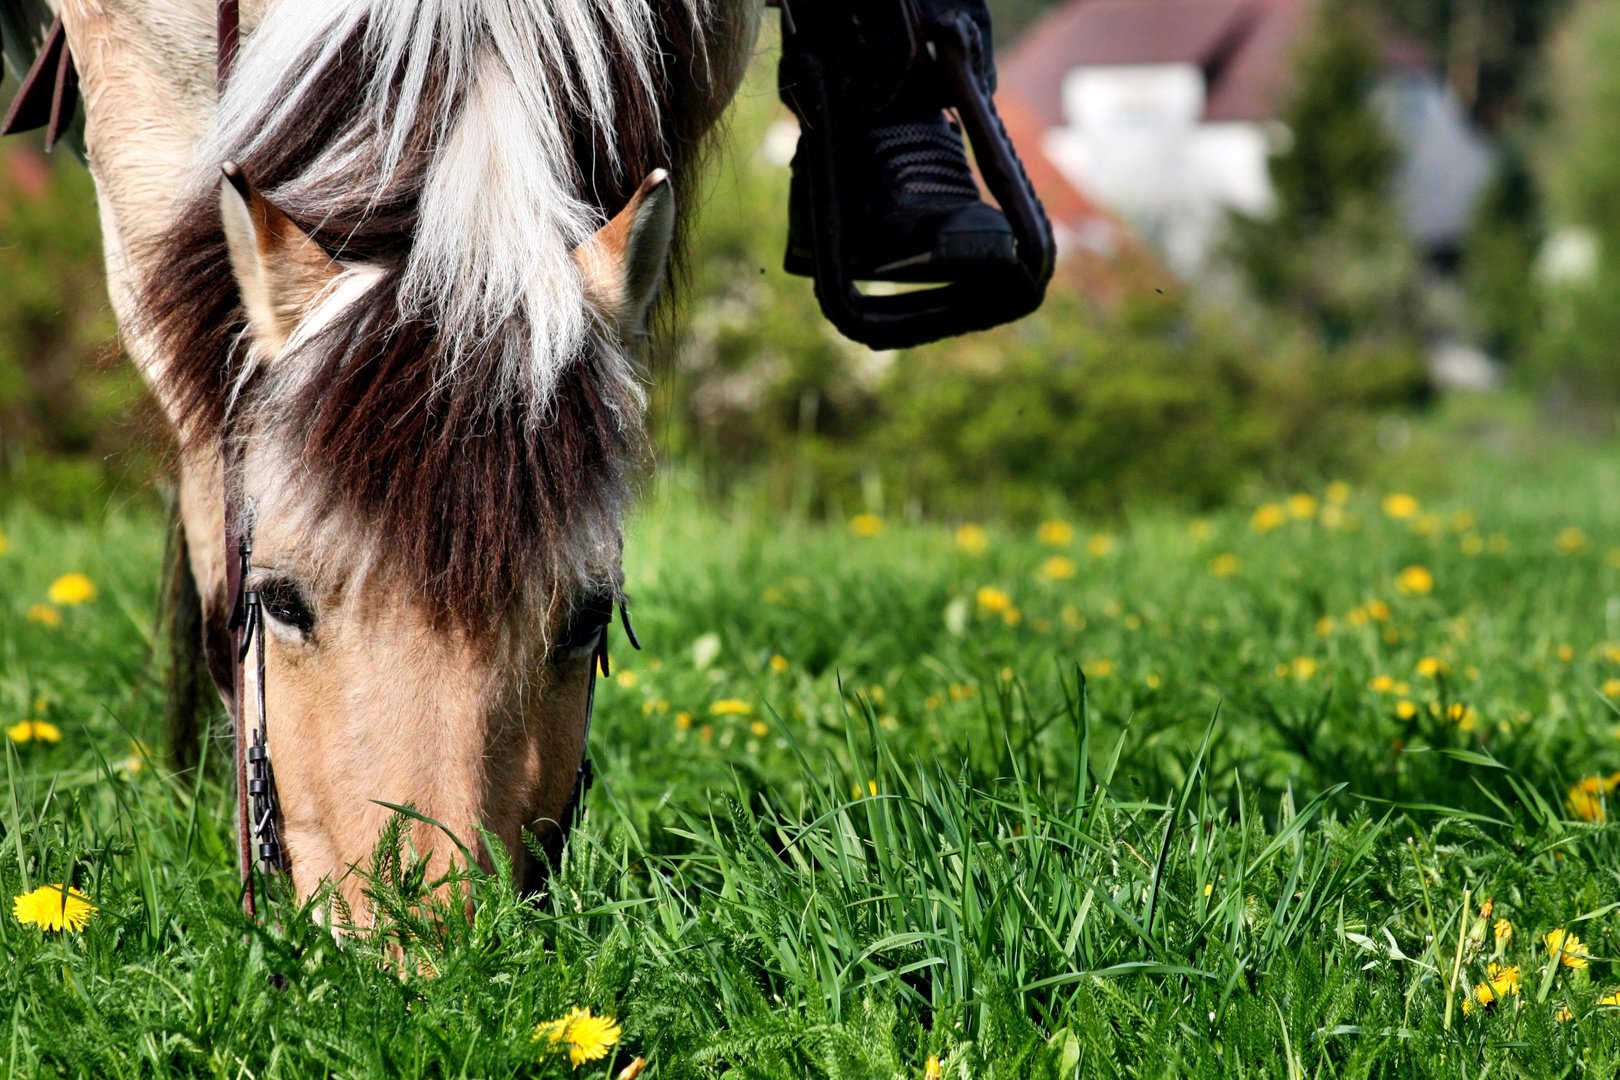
pixel 228 30
pixel 50 91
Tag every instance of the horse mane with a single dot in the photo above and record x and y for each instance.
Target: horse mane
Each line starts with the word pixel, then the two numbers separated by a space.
pixel 469 410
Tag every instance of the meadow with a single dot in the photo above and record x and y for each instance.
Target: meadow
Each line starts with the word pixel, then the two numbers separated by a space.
pixel 1298 788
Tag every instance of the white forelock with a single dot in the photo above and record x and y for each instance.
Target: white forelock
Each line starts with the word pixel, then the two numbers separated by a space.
pixel 488 83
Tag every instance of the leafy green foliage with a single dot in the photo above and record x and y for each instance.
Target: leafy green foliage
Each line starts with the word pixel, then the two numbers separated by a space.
pixel 917 833
pixel 1332 253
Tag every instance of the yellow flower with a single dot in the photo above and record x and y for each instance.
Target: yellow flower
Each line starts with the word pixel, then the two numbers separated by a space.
pixel 933 1070
pixel 683 721
pixel 1611 688
pixel 1324 626
pixel 1563 1015
pixel 1338 493
pixel 1100 545
pixel 633 1070
pixel 1431 666
pixel 42 730
pixel 71 589
pixel 1199 529
pixel 1504 980
pixel 779 663
pixel 992 599
pixel 1471 544
pixel 760 729
pixel 972 539
pixel 1209 887
pixel 1426 525
pixel 1073 619
pixel 1332 516
pixel 1611 998
pixel 1566 653
pixel 45 615
pixel 1302 506
pixel 53 907
pixel 1057 568
pixel 1400 506
pixel 588 1037
pixel 1415 581
pixel 1570 541
pixel 1378 610
pixel 1153 681
pixel 1304 667
pixel 1462 521
pixel 1269 516
pixel 4 543
pixel 1567 947
pixel 1503 930
pixel 1224 565
pixel 1497 544
pixel 1012 616
pixel 1405 709
pixel 1099 669
pixel 1056 533
pixel 731 707
pixel 1611 653
pixel 627 679
pixel 1381 683
pixel 865 525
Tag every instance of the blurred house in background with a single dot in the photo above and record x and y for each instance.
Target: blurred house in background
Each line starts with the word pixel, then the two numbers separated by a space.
pixel 1165 112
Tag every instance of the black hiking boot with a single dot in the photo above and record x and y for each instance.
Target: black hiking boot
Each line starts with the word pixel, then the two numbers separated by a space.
pixel 917 214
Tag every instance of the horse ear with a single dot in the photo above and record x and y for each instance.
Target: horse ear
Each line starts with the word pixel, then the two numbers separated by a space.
pixel 279 270
pixel 624 261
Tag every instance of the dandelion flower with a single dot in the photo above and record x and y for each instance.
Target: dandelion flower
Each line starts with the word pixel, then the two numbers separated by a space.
pixel 1405 709
pixel 731 707
pixel 1431 666
pixel 4 543
pixel 1400 506
pixel 71 589
pixel 1571 541
pixel 865 525
pixel 633 1070
pixel 1100 545
pixel 760 729
pixel 1567 947
pixel 972 539
pixel 1199 529
pixel 683 721
pixel 1099 669
pixel 1057 568
pixel 1324 626
pixel 1563 1015
pixel 1566 653
pixel 53 907
pixel 587 1037
pixel 779 663
pixel 1302 506
pixel 1378 610
pixel 1415 581
pixel 1611 998
pixel 1055 533
pixel 45 615
pixel 40 730
pixel 627 679
pixel 1338 493
pixel 1611 688
pixel 933 1070
pixel 1503 931
pixel 1224 565
pixel 992 599
pixel 1303 667
pixel 1269 516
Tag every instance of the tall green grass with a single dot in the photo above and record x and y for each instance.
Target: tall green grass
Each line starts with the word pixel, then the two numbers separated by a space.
pixel 1175 831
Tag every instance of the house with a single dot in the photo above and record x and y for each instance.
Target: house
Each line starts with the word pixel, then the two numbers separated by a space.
pixel 1166 111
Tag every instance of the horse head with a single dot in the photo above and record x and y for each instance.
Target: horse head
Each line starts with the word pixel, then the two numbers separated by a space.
pixel 398 340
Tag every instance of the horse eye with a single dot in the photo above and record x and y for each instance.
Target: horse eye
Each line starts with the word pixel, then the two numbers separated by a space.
pixel 592 613
pixel 284 602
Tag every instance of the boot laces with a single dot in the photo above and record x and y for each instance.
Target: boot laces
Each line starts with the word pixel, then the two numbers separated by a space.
pixel 923 159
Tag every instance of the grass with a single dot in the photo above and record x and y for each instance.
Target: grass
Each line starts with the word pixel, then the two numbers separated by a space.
pixel 1154 808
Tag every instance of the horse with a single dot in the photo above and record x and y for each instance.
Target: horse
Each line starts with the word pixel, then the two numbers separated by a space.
pixel 389 285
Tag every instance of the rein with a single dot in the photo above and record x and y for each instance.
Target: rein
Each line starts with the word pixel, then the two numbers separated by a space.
pixel 258 812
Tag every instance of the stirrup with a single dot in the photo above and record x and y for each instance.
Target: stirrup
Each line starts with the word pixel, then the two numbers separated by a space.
pixel 948 47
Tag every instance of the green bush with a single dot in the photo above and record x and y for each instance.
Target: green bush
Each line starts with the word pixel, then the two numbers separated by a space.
pixel 1088 403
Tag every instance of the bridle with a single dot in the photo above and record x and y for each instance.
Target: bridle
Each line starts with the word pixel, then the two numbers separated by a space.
pixel 258 812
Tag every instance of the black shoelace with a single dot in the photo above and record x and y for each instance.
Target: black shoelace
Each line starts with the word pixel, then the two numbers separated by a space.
pixel 923 159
